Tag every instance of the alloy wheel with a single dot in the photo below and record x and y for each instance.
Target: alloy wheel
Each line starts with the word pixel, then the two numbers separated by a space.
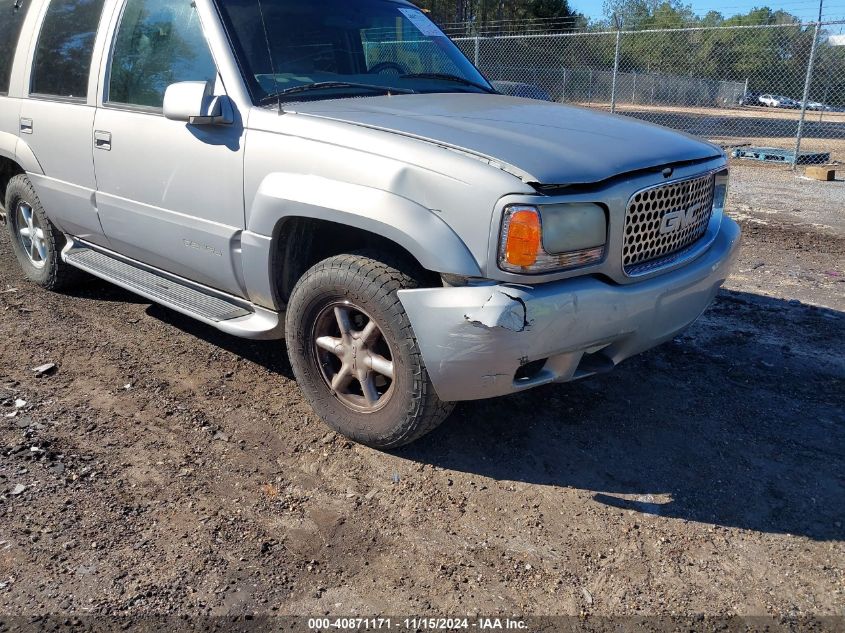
pixel 31 235
pixel 354 357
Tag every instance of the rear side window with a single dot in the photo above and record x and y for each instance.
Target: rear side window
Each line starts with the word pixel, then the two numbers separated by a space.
pixel 12 15
pixel 159 42
pixel 65 47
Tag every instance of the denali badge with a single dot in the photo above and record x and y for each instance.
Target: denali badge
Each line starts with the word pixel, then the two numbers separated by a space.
pixel 676 220
pixel 210 250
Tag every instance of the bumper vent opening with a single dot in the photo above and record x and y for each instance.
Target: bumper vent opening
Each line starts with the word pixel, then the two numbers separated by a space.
pixel 529 371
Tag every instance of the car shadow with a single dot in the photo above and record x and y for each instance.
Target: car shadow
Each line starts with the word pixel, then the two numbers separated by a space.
pixel 271 355
pixel 740 422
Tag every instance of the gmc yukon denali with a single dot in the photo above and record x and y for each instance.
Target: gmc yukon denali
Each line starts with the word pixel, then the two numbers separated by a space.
pixel 339 175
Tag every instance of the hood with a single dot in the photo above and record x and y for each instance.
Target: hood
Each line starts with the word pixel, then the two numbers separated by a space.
pixel 539 142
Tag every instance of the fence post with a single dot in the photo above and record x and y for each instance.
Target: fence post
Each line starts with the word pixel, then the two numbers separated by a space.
pixel 477 50
pixel 807 83
pixel 563 97
pixel 615 70
pixel 634 91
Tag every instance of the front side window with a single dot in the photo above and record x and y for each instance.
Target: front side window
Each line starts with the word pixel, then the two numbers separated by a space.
pixel 12 15
pixel 159 42
pixel 303 49
pixel 65 46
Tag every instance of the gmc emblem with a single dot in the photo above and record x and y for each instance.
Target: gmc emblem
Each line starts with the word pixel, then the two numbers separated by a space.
pixel 677 220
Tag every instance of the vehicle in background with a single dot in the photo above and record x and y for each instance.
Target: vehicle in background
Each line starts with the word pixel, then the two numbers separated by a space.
pixel 518 89
pixel 778 101
pixel 771 101
pixel 819 107
pixel 749 99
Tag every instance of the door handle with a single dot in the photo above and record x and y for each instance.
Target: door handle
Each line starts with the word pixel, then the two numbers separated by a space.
pixel 26 126
pixel 102 140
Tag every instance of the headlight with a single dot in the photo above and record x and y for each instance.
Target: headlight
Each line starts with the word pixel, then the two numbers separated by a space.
pixel 552 237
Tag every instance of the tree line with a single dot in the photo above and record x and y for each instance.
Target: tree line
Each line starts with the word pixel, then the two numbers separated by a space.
pixel 499 16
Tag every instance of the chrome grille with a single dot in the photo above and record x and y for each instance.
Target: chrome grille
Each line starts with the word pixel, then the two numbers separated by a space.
pixel 662 221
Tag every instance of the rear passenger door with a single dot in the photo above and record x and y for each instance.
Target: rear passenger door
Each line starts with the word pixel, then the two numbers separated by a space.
pixel 12 16
pixel 170 194
pixel 57 118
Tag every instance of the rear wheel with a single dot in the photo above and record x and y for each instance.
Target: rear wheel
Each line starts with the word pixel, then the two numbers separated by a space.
pixel 37 243
pixel 354 353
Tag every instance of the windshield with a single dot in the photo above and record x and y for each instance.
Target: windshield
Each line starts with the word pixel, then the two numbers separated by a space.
pixel 328 49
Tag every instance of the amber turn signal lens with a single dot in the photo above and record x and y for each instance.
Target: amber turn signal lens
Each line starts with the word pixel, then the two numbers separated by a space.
pixel 522 244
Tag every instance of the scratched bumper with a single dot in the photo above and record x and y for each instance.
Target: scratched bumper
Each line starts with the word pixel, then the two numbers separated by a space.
pixel 475 339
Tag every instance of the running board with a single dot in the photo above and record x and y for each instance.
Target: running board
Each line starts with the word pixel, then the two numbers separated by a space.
pixel 228 314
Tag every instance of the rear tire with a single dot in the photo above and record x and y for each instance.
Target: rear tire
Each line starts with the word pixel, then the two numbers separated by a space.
pixel 36 242
pixel 354 354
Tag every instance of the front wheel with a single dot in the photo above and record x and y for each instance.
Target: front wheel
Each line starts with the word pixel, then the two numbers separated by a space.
pixel 354 353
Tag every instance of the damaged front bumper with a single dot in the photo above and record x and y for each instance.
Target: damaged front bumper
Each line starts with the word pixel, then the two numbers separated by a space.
pixel 485 341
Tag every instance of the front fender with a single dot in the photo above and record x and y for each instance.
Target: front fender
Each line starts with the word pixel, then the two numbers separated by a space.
pixel 413 227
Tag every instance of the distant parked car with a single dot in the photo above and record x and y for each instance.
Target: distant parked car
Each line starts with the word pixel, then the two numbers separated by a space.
pixel 821 107
pixel 777 101
pixel 518 89
pixel 749 99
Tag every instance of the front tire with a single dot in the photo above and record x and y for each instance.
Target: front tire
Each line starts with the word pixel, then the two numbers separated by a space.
pixel 36 242
pixel 354 354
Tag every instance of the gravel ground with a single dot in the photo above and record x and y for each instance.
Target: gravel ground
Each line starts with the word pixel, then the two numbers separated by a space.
pixel 165 468
pixel 766 193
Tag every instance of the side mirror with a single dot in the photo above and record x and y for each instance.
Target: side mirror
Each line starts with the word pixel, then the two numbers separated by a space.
pixel 193 102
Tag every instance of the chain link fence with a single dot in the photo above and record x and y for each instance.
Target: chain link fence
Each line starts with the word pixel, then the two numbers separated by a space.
pixel 774 92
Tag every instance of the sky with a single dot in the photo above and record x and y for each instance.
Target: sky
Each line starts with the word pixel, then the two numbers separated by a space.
pixel 807 10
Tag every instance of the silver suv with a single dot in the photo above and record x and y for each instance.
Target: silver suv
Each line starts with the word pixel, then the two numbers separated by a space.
pixel 338 174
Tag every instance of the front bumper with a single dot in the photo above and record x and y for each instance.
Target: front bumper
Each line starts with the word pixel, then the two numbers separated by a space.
pixel 475 339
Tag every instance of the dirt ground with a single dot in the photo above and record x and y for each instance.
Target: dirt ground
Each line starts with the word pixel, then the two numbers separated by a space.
pixel 165 468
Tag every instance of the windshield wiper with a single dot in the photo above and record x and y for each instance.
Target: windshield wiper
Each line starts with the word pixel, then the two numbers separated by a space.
pixel 448 77
pixel 329 85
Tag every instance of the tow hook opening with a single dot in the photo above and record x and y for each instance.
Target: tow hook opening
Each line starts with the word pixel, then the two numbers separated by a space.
pixel 529 371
